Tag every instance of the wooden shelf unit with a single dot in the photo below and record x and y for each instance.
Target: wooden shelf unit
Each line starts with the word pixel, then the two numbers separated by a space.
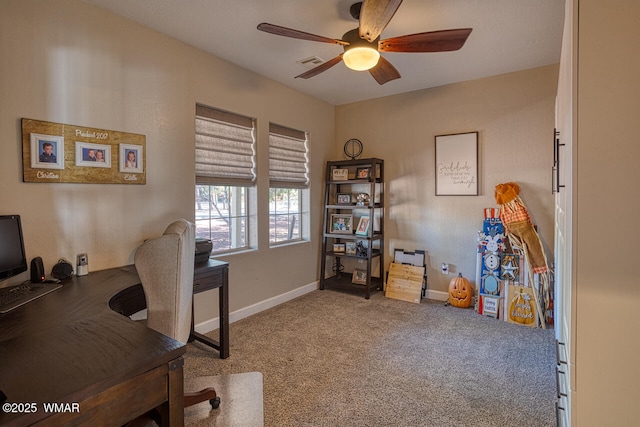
pixel 372 243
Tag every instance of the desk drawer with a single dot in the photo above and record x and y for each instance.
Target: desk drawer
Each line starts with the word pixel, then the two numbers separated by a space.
pixel 209 280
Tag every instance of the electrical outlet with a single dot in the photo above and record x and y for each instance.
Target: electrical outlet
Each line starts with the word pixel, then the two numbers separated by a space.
pixel 360 261
pixel 445 268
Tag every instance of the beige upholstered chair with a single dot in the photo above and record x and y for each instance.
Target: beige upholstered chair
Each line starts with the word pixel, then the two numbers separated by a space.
pixel 165 266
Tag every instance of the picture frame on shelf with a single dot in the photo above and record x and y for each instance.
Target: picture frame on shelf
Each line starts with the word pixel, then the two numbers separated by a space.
pixel 343 198
pixel 341 224
pixel 363 173
pixel 359 277
pixel 351 248
pixel 363 226
pixel 340 174
pixel 339 247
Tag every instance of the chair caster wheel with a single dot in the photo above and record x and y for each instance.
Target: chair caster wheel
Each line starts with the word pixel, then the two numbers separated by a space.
pixel 215 402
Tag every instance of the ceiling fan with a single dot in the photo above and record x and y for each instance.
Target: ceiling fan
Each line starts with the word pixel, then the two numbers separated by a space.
pixel 362 45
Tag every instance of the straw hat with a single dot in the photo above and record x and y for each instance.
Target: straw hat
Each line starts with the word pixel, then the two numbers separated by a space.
pixel 506 192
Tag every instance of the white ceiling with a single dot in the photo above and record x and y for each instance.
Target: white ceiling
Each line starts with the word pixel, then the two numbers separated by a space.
pixel 508 35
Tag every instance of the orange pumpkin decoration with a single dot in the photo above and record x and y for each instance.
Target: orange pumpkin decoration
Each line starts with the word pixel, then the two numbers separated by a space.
pixel 460 292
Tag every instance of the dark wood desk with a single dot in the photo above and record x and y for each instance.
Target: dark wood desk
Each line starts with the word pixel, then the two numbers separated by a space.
pixel 69 347
pixel 213 274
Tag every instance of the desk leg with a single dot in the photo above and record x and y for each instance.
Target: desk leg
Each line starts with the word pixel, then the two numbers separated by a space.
pixel 223 301
pixel 224 315
pixel 172 411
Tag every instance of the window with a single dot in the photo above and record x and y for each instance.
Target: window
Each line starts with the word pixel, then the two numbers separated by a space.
pixel 288 184
pixel 225 178
pixel 221 215
pixel 284 214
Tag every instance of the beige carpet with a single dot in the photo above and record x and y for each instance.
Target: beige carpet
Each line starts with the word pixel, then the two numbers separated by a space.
pixel 242 406
pixel 335 359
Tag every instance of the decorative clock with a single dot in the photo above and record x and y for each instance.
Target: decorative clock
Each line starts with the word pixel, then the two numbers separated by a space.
pixel 353 148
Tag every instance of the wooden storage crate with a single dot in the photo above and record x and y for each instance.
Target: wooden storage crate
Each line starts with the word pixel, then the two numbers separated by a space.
pixel 404 282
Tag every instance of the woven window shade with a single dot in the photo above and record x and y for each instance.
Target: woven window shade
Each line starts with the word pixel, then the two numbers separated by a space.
pixel 225 148
pixel 288 157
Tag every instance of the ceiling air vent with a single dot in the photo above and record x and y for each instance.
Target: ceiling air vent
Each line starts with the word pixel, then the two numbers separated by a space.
pixel 311 62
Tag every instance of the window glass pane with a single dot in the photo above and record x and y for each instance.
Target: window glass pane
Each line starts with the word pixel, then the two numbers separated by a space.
pixel 284 214
pixel 221 215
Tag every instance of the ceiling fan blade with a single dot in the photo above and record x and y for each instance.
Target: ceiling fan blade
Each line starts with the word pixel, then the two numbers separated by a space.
pixel 320 68
pixel 288 32
pixel 433 41
pixel 384 72
pixel 374 17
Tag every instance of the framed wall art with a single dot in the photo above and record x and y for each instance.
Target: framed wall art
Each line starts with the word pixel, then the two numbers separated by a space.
pixel 57 152
pixel 456 164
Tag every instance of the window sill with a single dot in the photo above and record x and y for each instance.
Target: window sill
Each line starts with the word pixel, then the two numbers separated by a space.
pixel 289 243
pixel 232 252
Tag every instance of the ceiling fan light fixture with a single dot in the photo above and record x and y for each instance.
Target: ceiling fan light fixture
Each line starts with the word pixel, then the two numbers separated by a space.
pixel 361 58
pixel 359 54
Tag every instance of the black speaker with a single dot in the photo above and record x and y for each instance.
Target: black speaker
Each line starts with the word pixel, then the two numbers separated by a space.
pixel 37 270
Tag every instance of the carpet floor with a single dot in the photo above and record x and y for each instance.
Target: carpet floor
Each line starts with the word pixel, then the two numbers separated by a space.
pixel 331 358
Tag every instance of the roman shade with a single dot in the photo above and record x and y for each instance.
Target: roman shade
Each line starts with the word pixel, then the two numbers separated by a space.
pixel 225 148
pixel 288 157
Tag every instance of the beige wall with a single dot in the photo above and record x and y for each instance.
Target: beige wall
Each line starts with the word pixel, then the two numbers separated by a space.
pixel 70 62
pixel 514 115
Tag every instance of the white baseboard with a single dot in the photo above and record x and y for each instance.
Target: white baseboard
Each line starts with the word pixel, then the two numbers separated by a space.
pixel 212 324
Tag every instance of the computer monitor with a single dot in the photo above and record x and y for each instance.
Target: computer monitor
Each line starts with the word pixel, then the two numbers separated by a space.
pixel 12 257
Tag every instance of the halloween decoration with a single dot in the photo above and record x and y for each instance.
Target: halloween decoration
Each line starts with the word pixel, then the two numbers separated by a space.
pixel 522 235
pixel 460 292
pixel 490 249
pixel 522 308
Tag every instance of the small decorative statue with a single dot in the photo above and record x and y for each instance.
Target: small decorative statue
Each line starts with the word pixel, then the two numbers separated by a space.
pixel 362 199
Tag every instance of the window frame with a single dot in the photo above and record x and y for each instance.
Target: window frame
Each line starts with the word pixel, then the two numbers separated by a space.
pixel 226 160
pixel 288 171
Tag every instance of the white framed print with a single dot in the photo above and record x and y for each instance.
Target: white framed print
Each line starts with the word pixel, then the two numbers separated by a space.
pixel 47 151
pixel 93 155
pixel 131 158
